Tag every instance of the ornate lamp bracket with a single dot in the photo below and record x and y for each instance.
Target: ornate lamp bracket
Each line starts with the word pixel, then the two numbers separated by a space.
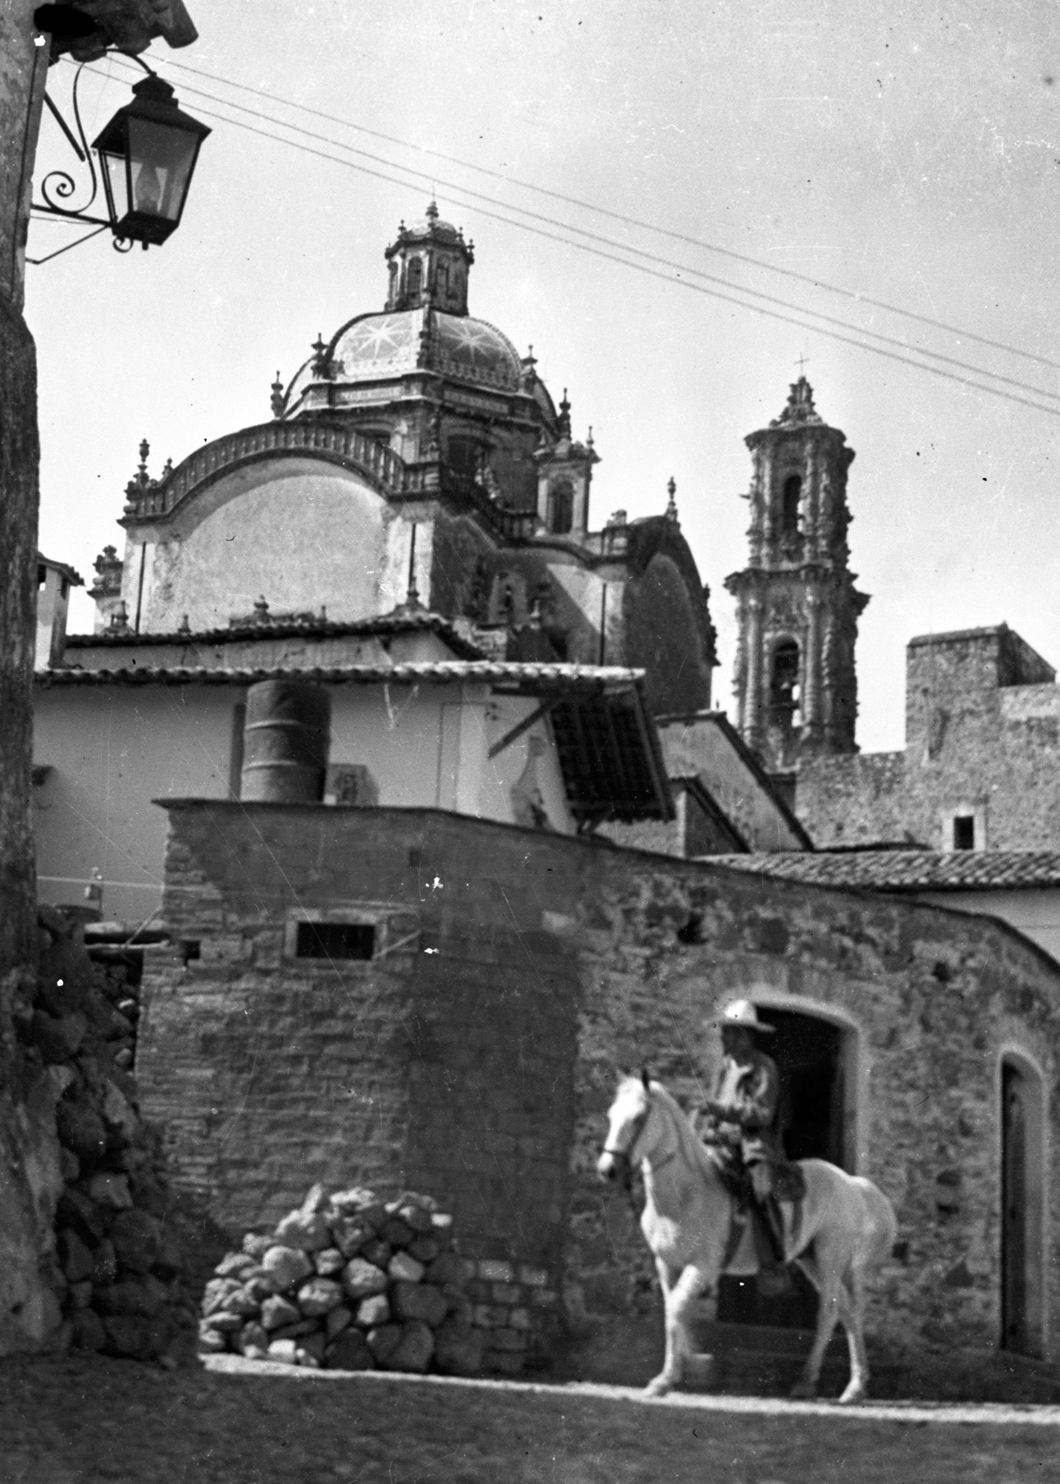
pixel 59 187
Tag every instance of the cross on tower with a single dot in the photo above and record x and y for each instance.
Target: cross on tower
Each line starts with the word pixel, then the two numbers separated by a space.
pixel 801 363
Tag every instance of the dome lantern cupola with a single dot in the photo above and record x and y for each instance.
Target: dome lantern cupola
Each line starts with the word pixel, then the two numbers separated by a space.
pixel 429 266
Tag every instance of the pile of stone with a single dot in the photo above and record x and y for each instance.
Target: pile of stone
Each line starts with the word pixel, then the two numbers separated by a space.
pixel 349 1282
pixel 116 1273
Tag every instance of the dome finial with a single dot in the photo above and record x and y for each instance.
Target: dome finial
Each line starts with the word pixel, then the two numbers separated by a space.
pixel 432 212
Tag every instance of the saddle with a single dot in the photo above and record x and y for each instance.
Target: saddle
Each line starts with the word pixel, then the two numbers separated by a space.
pixel 789 1185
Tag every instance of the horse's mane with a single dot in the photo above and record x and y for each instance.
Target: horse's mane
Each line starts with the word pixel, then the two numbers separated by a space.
pixel 692 1148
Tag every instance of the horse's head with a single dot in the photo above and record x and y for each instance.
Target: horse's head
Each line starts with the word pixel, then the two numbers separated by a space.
pixel 627 1123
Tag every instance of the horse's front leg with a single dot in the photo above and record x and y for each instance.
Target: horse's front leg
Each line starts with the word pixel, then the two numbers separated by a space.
pixel 678 1298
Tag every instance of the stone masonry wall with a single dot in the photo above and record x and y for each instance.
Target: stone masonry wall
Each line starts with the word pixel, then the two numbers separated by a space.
pixel 443 1065
pixel 982 735
pixel 934 999
pixel 475 1057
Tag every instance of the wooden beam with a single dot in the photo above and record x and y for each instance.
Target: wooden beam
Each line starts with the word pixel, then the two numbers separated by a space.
pixel 521 727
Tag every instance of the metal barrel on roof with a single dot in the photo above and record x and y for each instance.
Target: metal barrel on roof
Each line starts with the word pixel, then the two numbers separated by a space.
pixel 285 742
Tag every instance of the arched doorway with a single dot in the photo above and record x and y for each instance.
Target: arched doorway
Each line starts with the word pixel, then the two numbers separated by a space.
pixel 817 1061
pixel 1021 1207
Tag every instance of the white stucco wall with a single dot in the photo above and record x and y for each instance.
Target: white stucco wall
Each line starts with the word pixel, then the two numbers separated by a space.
pixel 112 749
pixel 428 746
pixel 234 544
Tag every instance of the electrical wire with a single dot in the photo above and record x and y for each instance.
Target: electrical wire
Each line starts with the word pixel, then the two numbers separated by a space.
pixel 853 294
pixel 818 320
pixel 907 360
pixel 610 242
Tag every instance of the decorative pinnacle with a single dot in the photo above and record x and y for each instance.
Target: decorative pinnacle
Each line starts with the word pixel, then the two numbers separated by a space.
pixel 800 409
pixel 564 414
pixel 671 504
pixel 277 396
pixel 432 212
pixel 261 610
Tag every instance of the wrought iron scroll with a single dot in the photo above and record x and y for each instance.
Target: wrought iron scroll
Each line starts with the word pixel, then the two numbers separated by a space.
pixel 58 186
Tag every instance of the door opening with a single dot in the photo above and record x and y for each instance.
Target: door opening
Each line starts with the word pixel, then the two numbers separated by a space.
pixel 1021 1209
pixel 815 1059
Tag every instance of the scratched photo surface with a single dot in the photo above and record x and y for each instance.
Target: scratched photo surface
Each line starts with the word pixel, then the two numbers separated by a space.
pixel 544 436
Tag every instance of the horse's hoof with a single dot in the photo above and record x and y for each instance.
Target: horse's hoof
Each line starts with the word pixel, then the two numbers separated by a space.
pixel 803 1391
pixel 658 1386
pixel 855 1392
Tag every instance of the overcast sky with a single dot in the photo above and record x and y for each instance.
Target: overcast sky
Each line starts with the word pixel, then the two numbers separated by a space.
pixel 906 152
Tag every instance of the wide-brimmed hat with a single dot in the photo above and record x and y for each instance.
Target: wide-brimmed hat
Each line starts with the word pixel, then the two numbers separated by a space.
pixel 743 1012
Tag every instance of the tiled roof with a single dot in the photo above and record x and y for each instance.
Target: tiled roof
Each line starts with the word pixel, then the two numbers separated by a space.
pixel 907 870
pixel 543 677
pixel 74 578
pixel 279 628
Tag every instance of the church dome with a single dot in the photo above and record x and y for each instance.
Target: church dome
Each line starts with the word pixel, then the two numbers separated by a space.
pixel 375 347
pixel 424 326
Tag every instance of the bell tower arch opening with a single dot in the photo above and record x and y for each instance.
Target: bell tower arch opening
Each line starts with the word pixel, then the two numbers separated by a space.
pixel 790 500
pixel 784 684
pixel 1022 1097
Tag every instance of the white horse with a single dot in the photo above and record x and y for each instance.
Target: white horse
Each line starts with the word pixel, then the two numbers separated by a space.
pixel 847 1230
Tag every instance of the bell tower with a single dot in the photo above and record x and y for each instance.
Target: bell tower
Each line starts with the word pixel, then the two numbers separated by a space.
pixel 798 608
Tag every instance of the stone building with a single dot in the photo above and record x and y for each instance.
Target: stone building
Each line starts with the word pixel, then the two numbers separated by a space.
pixel 464 1033
pixel 980 764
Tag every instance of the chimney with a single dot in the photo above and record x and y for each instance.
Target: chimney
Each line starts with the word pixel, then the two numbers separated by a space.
pixel 54 581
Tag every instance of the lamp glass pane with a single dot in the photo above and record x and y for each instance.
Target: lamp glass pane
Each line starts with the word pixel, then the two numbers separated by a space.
pixel 116 184
pixel 160 162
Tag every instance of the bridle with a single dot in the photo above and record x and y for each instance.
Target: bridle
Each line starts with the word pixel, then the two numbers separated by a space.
pixel 623 1158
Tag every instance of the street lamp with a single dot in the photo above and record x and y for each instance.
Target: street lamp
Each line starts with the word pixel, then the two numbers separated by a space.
pixel 148 152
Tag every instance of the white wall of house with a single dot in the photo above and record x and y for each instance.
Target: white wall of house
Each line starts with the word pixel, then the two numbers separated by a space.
pixel 110 750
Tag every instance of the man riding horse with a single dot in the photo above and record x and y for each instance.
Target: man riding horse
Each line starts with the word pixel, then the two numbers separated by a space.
pixel 740 1124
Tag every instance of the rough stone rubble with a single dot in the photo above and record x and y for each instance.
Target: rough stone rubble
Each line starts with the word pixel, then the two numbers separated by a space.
pixel 115 1270
pixel 350 1282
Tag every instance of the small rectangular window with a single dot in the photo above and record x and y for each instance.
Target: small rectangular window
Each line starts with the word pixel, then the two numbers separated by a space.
pixel 335 940
pixel 964 832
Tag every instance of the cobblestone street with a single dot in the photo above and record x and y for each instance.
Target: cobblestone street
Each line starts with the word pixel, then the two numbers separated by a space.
pixel 76 1421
